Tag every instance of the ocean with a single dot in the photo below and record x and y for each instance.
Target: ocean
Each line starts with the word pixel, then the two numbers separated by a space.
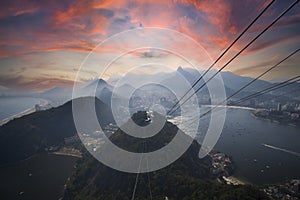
pixel 10 106
pixel 263 152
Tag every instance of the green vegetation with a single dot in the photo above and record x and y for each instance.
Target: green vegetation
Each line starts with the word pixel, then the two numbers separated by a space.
pixel 93 180
pixel 187 178
pixel 28 135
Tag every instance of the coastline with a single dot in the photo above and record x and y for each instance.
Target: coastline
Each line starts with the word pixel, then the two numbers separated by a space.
pixel 233 180
pixel 66 154
pixel 28 111
pixel 274 121
pixel 21 114
pixel 67 151
pixel 227 106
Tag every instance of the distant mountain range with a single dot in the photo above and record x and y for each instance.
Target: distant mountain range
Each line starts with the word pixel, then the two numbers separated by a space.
pixel 103 90
pixel 187 178
pixel 122 85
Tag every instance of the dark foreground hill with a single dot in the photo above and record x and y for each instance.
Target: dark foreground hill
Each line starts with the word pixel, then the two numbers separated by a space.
pixel 31 134
pixel 187 178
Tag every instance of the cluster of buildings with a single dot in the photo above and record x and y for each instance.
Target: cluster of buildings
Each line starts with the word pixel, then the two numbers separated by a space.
pixel 287 113
pixel 110 128
pixel 273 104
pixel 51 149
pixel 145 101
pixel 69 152
pixel 67 141
pixel 39 107
pixel 288 107
pixel 93 141
pixel 286 191
pixel 282 107
pixel 221 165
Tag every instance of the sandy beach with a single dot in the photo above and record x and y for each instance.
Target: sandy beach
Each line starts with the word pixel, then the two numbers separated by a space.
pixel 42 103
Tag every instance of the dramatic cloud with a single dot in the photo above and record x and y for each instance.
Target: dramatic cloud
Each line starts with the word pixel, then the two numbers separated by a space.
pixel 31 27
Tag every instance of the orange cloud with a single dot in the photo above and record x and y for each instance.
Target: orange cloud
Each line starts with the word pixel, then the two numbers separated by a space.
pixel 83 19
pixel 79 25
pixel 35 84
pixel 217 11
pixel 16 8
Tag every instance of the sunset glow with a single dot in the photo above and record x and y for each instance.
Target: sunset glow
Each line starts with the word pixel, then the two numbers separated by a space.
pixel 43 43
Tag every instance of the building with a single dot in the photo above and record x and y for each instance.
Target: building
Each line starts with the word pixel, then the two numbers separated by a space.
pixel 279 107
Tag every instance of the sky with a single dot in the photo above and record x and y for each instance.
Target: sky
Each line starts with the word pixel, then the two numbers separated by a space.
pixel 43 43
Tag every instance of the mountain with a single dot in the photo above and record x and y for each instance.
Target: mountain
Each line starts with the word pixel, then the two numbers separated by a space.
pixel 99 88
pixel 28 135
pixel 235 82
pixel 190 75
pixel 193 75
pixel 105 95
pixel 124 89
pixel 100 84
pixel 187 178
pixel 232 82
pixel 56 95
pixel 53 91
